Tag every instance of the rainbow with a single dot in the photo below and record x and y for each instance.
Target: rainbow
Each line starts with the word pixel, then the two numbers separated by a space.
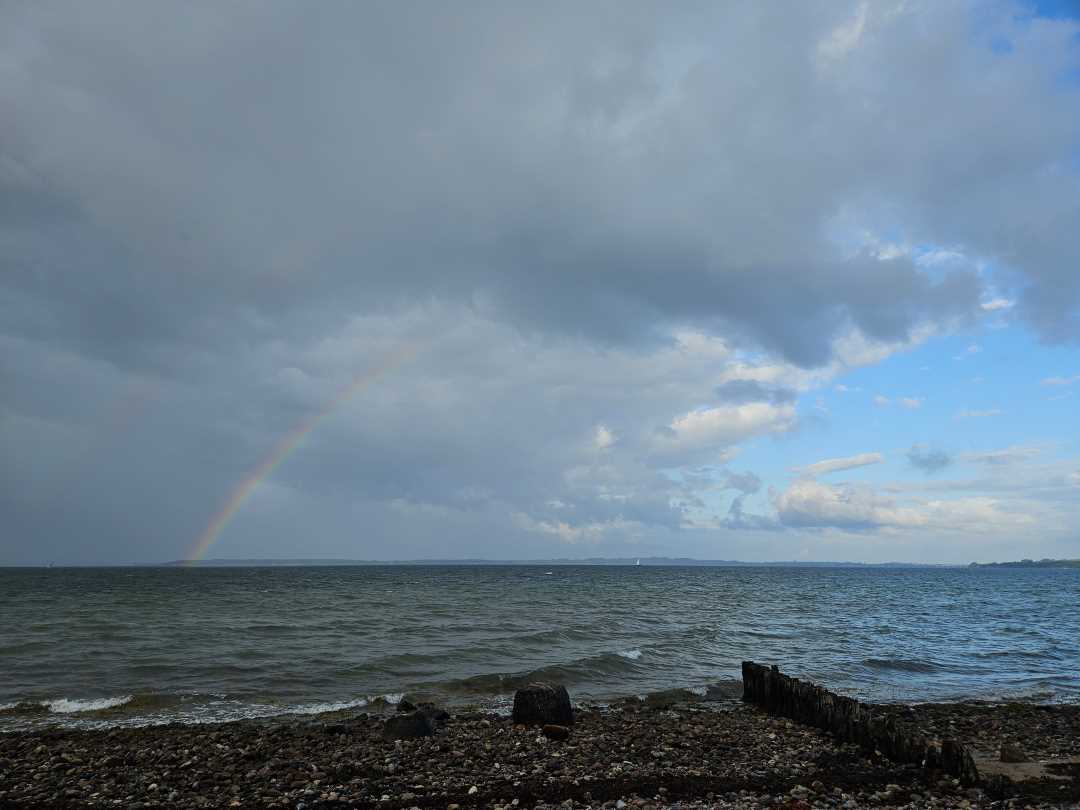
pixel 284 448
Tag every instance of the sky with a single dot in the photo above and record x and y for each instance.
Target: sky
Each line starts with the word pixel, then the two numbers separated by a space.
pixel 754 281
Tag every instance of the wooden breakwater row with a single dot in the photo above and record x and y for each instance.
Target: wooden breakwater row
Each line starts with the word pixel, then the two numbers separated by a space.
pixel 851 721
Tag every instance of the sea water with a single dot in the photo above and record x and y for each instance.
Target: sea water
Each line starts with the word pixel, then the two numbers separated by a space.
pixel 125 646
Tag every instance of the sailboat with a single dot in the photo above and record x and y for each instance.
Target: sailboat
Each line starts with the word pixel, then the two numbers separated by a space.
pixel 638 562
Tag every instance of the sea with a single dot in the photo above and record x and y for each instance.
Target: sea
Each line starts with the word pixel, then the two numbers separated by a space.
pixel 100 647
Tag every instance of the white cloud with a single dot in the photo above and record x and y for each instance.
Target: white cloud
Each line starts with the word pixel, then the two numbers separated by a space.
pixel 911 403
pixel 997 304
pixel 572 534
pixel 1005 456
pixel 845 37
pixel 977 414
pixel 882 401
pixel 939 256
pixel 603 438
pixel 830 465
pixel 716 429
pixel 810 504
pixel 1061 380
pixel 849 351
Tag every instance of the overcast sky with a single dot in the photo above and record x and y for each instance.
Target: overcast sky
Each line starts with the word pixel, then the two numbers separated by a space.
pixel 753 281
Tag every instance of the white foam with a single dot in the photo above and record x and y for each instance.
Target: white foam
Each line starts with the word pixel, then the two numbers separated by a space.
pixel 6 706
pixel 67 706
pixel 393 698
pixel 698 690
pixel 321 708
pixel 633 655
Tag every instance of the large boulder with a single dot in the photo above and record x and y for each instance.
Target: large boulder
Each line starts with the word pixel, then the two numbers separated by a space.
pixel 540 704
pixel 408 726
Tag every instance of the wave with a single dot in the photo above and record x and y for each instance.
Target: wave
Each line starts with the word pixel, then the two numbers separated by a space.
pixel 633 655
pixel 900 664
pixel 765 634
pixel 74 706
pixel 327 708
pixel 597 667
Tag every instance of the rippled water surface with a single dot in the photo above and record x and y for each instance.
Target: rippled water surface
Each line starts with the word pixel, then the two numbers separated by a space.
pixel 135 645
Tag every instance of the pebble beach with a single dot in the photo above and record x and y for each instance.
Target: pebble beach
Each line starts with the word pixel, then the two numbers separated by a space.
pixel 670 750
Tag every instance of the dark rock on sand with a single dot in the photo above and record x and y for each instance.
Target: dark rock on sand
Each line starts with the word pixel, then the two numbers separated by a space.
pixel 543 703
pixel 405 705
pixel 408 726
pixel 555 732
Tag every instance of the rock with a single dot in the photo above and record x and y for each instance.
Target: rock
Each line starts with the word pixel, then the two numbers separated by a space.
pixel 670 697
pixel 1011 752
pixel 543 703
pixel 555 732
pixel 436 716
pixel 730 690
pixel 405 705
pixel 408 726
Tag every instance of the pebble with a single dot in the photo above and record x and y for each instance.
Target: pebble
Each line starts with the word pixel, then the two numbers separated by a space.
pixel 657 759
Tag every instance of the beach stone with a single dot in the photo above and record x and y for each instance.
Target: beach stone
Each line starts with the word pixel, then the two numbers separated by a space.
pixel 669 697
pixel 408 726
pixel 543 703
pixel 436 716
pixel 731 690
pixel 405 705
pixel 1011 752
pixel 555 732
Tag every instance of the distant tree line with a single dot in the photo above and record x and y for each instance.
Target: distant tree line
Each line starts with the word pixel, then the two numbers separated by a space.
pixel 1045 562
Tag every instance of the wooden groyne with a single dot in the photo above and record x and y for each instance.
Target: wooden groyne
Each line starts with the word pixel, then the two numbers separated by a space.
pixel 851 721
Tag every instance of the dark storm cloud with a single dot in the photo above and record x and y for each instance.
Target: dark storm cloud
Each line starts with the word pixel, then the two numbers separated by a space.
pixel 284 158
pixel 241 206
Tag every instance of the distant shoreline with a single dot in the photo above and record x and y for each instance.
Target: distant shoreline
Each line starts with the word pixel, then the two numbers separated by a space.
pixel 631 562
pixel 1045 563
pixel 628 562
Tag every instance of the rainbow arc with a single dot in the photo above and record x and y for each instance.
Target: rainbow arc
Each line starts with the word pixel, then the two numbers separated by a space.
pixel 285 447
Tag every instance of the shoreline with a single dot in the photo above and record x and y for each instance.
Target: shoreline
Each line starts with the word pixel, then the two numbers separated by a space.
pixel 674 748
pixel 147 710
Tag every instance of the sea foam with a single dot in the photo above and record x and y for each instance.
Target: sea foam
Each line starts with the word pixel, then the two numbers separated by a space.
pixel 322 708
pixel 68 706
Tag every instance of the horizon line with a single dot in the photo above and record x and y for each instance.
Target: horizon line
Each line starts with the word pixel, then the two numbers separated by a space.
pixel 655 561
